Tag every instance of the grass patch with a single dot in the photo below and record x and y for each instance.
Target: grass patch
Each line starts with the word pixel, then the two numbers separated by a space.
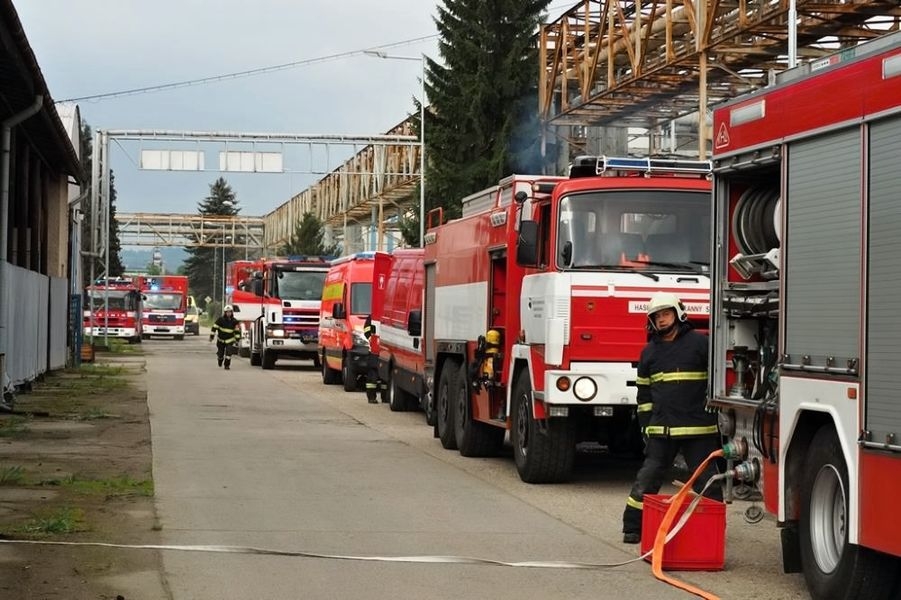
pixel 93 414
pixel 13 426
pixel 12 475
pixel 61 520
pixel 121 486
pixel 97 370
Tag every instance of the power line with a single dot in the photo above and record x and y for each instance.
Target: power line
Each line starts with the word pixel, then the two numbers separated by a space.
pixel 239 74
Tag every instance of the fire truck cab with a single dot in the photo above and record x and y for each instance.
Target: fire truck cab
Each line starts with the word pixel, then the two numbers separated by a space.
pixel 165 304
pixel 805 353
pixel 286 322
pixel 240 296
pixel 113 308
pixel 535 304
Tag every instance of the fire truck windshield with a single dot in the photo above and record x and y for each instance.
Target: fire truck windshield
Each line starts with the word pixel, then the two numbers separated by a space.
pixel 118 300
pixel 299 285
pixel 360 298
pixel 659 229
pixel 158 301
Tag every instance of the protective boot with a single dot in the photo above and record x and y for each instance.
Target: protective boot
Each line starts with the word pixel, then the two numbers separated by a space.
pixel 219 362
pixel 227 364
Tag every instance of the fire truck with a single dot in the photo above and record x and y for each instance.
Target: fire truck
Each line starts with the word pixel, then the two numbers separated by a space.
pixel 288 294
pixel 239 295
pixel 535 304
pixel 805 354
pixel 165 303
pixel 113 309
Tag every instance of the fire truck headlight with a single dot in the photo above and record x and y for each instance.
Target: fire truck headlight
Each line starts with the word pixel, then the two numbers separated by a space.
pixel 277 332
pixel 360 339
pixel 585 389
pixel 563 384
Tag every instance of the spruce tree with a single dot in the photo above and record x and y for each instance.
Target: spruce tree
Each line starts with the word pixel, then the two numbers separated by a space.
pixel 205 265
pixel 308 237
pixel 483 104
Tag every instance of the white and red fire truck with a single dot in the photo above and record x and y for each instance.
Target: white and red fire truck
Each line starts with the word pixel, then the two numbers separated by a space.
pixel 535 304
pixel 239 295
pixel 113 309
pixel 288 296
pixel 165 300
pixel 806 336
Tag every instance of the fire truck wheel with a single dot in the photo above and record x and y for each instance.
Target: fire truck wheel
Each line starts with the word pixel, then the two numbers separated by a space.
pixel 398 400
pixel 329 375
pixel 267 360
pixel 474 438
pixel 832 567
pixel 348 377
pixel 445 405
pixel 542 454
pixel 255 359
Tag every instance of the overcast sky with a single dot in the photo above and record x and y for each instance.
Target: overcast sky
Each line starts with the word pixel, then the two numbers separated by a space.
pixel 87 47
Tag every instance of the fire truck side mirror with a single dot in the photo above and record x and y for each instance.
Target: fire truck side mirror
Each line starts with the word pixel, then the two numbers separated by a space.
pixel 257 285
pixel 338 311
pixel 527 244
pixel 414 323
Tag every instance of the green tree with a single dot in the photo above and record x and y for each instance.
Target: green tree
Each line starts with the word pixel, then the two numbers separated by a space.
pixel 482 121
pixel 205 265
pixel 116 268
pixel 308 238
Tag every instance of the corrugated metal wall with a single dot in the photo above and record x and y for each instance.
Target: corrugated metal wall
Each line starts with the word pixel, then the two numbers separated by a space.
pixel 37 308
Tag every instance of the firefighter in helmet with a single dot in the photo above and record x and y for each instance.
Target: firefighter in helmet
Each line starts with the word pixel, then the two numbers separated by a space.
pixel 226 332
pixel 374 385
pixel 672 392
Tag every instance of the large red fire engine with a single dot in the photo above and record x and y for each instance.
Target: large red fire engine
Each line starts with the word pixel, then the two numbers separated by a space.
pixel 288 294
pixel 239 295
pixel 113 309
pixel 165 304
pixel 806 347
pixel 535 304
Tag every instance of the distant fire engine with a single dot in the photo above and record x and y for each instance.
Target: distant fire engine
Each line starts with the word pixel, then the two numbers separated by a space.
pixel 239 295
pixel 534 304
pixel 807 340
pixel 113 309
pixel 165 304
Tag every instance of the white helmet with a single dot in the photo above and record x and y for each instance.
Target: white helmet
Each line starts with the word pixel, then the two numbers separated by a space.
pixel 662 301
pixel 228 308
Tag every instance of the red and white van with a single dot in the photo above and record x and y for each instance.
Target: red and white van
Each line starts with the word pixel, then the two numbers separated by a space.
pixel 346 303
pixel 399 330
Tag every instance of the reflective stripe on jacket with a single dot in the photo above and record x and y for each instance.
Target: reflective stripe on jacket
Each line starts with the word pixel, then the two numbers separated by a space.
pixel 672 386
pixel 227 330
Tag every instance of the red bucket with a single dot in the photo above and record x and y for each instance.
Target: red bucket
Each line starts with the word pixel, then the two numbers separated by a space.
pixel 699 546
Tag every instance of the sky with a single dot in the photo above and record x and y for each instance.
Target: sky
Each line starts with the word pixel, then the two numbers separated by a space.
pixel 89 47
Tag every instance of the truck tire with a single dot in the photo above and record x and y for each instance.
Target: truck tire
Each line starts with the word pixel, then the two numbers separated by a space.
pixel 542 454
pixel 444 406
pixel 348 377
pixel 832 567
pixel 244 352
pixel 398 400
pixel 474 438
pixel 255 359
pixel 329 375
pixel 267 360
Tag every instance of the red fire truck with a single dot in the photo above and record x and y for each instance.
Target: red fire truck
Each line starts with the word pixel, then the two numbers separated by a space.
pixel 535 304
pixel 113 309
pixel 165 303
pixel 239 295
pixel 288 294
pixel 806 347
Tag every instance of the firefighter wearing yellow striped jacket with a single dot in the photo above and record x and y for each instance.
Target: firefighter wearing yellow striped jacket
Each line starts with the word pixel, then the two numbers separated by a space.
pixel 226 331
pixel 672 397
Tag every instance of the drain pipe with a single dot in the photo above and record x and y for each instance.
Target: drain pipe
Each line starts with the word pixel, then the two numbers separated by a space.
pixel 7 126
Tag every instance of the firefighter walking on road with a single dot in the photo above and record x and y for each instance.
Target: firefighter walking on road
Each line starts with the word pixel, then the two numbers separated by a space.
pixel 373 384
pixel 672 392
pixel 226 332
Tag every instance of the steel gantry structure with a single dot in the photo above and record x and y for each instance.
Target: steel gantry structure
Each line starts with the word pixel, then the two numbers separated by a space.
pixel 645 63
pixel 382 171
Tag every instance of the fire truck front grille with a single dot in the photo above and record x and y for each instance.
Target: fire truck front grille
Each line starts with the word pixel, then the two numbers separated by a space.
pixel 161 318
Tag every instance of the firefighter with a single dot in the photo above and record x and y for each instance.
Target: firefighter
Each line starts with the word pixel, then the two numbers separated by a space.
pixel 228 331
pixel 372 365
pixel 672 391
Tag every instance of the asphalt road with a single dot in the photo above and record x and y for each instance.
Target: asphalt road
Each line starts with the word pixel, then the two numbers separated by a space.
pixel 277 460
